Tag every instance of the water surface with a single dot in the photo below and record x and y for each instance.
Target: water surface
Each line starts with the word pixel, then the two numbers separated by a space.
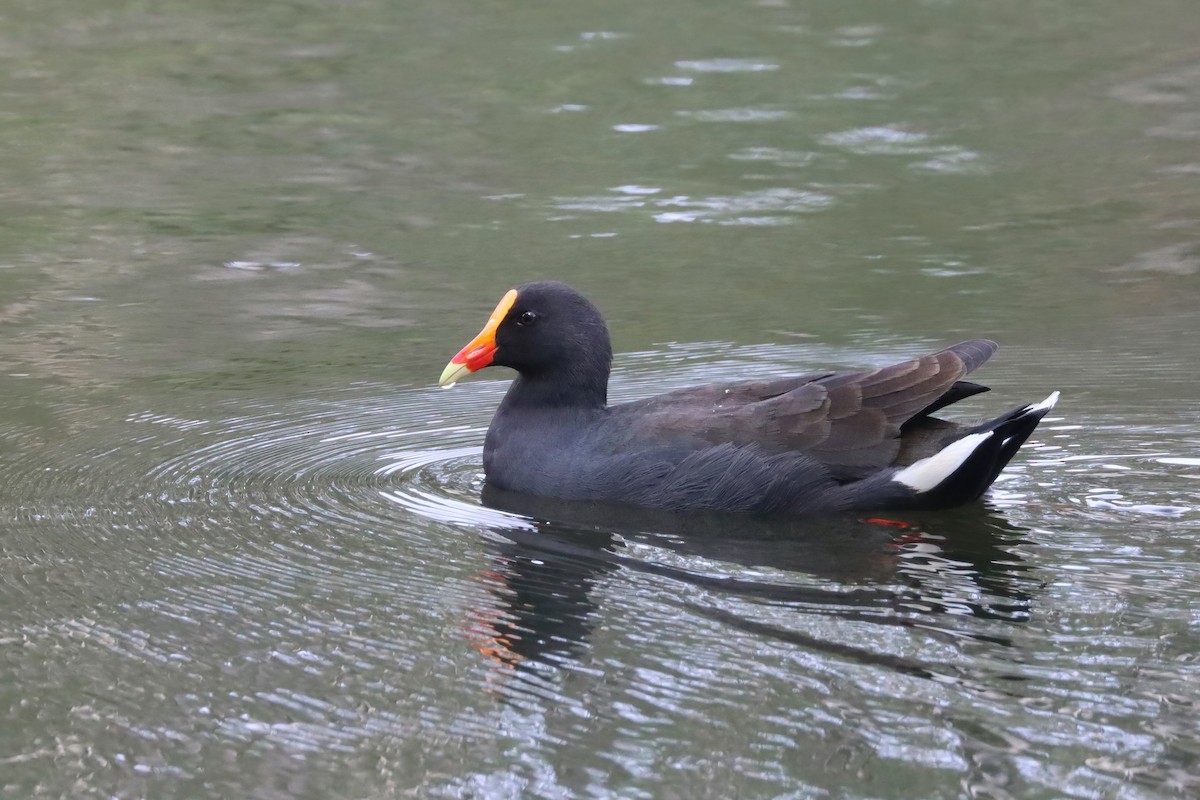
pixel 244 552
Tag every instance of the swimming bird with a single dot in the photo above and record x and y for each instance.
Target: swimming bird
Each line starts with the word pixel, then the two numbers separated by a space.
pixel 818 442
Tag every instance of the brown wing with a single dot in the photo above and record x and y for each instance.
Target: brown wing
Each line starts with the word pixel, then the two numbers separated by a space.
pixel 848 420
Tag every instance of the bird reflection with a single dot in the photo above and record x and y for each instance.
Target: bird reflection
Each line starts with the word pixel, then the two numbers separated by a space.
pixel 908 571
pixel 540 584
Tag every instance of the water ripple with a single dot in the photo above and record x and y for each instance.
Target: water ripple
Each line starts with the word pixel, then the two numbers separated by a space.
pixel 737 114
pixel 727 65
pixel 775 205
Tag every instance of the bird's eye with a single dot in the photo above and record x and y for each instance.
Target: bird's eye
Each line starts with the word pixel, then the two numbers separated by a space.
pixel 527 319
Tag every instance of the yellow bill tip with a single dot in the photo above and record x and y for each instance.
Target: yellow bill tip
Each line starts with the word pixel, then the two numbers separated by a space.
pixel 452 374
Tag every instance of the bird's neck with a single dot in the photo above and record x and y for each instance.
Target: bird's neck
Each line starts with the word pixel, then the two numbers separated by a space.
pixel 560 390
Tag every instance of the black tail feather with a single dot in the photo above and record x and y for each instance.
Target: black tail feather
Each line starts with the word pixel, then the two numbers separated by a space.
pixel 962 471
pixel 959 390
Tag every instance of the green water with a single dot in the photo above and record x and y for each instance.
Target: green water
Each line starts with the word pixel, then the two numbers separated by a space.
pixel 242 552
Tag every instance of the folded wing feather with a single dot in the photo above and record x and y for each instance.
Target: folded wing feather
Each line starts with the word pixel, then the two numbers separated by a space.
pixel 850 421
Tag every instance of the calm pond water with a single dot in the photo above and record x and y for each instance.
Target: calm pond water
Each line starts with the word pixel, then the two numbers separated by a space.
pixel 243 550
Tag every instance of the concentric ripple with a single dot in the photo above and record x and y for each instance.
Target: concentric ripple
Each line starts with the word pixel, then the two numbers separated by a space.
pixel 341 460
pixel 250 500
